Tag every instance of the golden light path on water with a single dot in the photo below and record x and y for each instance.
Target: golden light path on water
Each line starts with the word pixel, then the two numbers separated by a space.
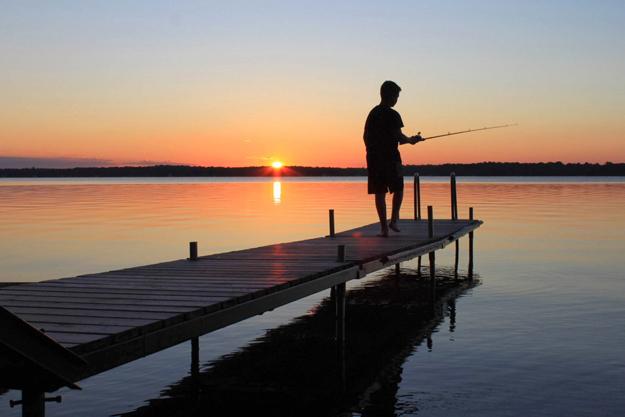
pixel 277 192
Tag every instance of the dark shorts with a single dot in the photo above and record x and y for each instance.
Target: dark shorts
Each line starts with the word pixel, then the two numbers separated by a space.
pixel 384 176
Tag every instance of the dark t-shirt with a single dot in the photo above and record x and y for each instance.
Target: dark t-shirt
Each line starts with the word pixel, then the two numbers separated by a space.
pixel 380 134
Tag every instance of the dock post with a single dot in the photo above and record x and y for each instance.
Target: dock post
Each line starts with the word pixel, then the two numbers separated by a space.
pixel 340 333
pixel 33 403
pixel 454 197
pixel 417 196
pixel 430 222
pixel 456 259
pixel 331 216
pixel 340 314
pixel 338 293
pixel 397 269
pixel 454 216
pixel 340 253
pixel 419 267
pixel 339 297
pixel 417 209
pixel 193 251
pixel 431 254
pixel 195 358
pixel 471 246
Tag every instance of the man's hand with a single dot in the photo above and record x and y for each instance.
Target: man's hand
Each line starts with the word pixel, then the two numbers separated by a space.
pixel 416 138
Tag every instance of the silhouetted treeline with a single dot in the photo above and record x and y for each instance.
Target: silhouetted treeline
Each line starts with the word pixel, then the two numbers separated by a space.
pixel 478 169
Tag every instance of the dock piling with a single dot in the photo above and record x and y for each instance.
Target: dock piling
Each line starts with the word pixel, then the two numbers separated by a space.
pixel 331 218
pixel 454 197
pixel 195 358
pixel 456 259
pixel 454 216
pixel 193 251
pixel 430 222
pixel 340 292
pixel 417 209
pixel 340 255
pixel 419 267
pixel 33 403
pixel 470 246
pixel 431 254
pixel 340 313
pixel 417 196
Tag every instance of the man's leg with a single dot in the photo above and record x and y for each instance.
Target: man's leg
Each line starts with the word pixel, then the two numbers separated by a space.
pixel 398 196
pixel 380 206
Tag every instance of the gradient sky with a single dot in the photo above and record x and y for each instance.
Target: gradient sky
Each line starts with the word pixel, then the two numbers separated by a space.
pixel 241 83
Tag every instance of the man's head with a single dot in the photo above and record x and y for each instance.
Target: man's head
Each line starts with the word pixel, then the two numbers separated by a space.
pixel 389 92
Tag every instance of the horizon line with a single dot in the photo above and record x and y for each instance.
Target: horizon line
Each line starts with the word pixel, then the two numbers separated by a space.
pixel 158 164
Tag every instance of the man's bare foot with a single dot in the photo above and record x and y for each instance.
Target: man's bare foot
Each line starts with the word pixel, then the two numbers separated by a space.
pixel 393 227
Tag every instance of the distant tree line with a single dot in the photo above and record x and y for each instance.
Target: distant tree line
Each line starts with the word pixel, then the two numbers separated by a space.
pixel 478 169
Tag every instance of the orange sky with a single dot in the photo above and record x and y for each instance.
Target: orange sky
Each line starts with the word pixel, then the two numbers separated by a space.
pixel 222 86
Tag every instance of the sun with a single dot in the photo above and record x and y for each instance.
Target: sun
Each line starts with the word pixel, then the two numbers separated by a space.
pixel 277 164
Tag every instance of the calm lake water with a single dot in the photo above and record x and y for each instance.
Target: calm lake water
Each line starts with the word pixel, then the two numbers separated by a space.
pixel 542 334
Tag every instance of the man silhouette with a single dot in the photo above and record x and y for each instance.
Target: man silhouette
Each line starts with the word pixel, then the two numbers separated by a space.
pixel 384 170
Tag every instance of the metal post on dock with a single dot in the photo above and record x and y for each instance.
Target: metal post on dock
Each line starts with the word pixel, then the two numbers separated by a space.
pixel 193 251
pixel 417 196
pixel 331 216
pixel 471 245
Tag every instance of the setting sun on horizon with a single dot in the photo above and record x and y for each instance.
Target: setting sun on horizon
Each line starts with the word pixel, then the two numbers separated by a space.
pixel 215 85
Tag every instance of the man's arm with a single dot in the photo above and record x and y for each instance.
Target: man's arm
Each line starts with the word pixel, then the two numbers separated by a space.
pixel 407 139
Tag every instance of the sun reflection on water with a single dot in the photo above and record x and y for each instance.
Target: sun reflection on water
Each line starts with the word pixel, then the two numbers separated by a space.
pixel 277 192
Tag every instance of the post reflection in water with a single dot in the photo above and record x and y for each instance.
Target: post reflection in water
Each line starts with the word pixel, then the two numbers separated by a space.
pixel 294 369
pixel 277 192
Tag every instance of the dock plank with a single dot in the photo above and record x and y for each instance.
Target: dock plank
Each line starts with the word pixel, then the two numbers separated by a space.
pixel 120 315
pixel 90 306
pixel 87 312
pixel 61 320
pixel 101 301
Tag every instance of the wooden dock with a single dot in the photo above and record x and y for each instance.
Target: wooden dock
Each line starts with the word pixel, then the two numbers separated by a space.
pixel 57 332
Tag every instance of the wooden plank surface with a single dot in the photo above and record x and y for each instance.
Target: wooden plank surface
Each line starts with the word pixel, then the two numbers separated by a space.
pixel 78 312
pixel 110 307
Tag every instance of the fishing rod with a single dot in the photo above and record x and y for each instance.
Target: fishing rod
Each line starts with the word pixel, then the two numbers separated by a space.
pixel 467 131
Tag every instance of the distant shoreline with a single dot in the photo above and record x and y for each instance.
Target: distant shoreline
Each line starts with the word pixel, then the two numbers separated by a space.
pixel 489 169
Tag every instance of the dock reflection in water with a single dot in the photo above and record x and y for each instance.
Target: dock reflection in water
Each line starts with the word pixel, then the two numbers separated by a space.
pixel 294 370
